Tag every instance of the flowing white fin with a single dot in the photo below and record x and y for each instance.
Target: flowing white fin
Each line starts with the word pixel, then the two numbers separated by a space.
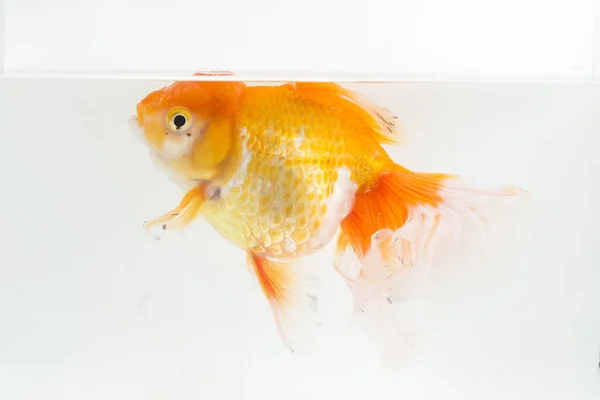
pixel 407 225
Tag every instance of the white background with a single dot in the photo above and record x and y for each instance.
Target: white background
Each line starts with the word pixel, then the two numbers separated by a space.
pixel 92 308
pixel 515 40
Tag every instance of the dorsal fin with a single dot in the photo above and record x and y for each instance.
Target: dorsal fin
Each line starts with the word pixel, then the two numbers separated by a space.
pixel 381 120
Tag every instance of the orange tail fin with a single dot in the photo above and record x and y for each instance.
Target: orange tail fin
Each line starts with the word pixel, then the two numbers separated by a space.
pixel 388 240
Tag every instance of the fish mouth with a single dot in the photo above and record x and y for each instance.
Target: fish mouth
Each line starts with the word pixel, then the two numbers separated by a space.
pixel 136 127
pixel 133 120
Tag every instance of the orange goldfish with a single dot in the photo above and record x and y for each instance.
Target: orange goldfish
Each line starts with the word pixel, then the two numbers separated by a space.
pixel 279 171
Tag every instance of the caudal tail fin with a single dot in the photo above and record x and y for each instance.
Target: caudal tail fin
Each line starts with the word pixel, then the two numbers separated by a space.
pixel 388 241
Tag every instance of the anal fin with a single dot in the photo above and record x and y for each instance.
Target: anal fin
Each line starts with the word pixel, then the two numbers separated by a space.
pixel 293 297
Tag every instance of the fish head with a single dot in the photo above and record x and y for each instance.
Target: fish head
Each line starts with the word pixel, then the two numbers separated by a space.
pixel 184 124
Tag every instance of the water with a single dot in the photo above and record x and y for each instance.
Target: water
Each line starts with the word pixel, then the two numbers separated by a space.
pixel 91 307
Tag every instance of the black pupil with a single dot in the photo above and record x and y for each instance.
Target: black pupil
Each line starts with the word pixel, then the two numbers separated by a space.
pixel 179 121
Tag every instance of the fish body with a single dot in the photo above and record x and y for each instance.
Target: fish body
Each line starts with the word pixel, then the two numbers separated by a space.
pixel 280 170
pixel 296 176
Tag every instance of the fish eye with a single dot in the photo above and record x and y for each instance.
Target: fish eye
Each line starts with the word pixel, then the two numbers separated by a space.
pixel 178 119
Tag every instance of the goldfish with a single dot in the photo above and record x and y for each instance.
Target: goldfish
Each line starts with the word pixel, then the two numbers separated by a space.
pixel 281 171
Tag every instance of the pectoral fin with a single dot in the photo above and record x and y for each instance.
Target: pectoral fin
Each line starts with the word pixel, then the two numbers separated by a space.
pixel 183 214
